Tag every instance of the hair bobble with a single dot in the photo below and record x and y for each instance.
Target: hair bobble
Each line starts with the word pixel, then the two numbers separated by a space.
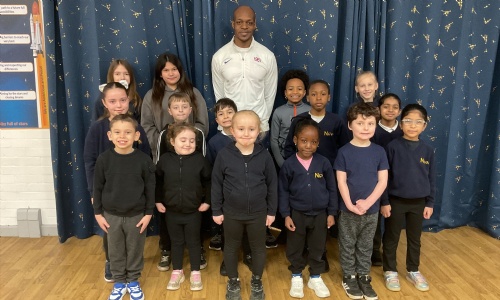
pixel 122 82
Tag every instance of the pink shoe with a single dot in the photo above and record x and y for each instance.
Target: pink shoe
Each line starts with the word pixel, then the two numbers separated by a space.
pixel 195 279
pixel 176 279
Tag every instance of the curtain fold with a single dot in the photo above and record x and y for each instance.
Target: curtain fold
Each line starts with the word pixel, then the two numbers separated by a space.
pixel 442 54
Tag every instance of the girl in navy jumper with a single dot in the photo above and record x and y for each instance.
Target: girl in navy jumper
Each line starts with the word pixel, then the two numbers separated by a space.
pixel 183 179
pixel 409 198
pixel 116 102
pixel 308 201
pixel 387 129
pixel 244 197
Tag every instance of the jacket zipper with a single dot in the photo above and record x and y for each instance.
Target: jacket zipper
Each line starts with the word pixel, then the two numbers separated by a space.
pixel 246 185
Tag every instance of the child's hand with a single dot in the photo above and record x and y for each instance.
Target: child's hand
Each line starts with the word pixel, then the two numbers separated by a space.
pixel 330 221
pixel 218 219
pixel 356 210
pixel 143 223
pixel 269 220
pixel 289 223
pixel 385 210
pixel 428 212
pixel 203 207
pixel 92 200
pixel 160 207
pixel 102 223
pixel 362 205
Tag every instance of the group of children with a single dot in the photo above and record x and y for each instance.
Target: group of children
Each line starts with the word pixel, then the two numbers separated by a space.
pixel 383 170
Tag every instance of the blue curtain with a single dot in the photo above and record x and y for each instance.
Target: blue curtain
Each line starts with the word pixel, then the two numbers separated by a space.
pixel 442 54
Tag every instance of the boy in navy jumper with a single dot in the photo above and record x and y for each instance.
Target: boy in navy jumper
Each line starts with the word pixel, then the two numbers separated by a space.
pixel 409 198
pixel 124 187
pixel 308 202
pixel 361 168
pixel 333 132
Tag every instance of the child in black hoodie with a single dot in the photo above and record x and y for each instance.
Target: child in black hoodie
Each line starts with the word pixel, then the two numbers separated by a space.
pixel 183 179
pixel 244 196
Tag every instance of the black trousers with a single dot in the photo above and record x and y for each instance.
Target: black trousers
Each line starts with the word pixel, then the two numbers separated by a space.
pixel 233 233
pixel 310 231
pixel 184 230
pixel 165 242
pixel 411 212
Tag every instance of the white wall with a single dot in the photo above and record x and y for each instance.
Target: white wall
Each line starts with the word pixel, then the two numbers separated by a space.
pixel 26 178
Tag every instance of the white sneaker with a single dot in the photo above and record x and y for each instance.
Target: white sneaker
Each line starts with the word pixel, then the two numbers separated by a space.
pixel 319 287
pixel 297 287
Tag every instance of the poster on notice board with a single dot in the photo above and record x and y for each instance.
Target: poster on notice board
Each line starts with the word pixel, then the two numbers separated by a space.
pixel 24 99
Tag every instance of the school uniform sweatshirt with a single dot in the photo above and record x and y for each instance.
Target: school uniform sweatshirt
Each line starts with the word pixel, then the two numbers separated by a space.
pixel 308 191
pixel 124 184
pixel 382 137
pixel 244 186
pixel 182 181
pixel 412 171
pixel 333 135
pixel 215 144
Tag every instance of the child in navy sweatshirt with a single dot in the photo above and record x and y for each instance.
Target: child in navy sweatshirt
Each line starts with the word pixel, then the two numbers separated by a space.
pixel 308 202
pixel 409 198
pixel 387 129
pixel 333 132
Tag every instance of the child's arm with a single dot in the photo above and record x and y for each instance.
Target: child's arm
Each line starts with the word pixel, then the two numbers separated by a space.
pixel 206 182
pixel 275 132
pixel 331 186
pixel 365 204
pixel 290 148
pixel 344 192
pixel 159 175
pixel 284 197
pixel 216 190
pixel 149 186
pixel 99 180
pixel 272 189
pixel 90 154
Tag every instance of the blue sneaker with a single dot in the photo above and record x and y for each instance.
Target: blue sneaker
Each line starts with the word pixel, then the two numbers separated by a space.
pixel 119 290
pixel 135 291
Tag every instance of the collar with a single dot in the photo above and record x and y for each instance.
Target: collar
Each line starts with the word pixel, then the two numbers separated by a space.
pixel 239 49
pixel 389 129
pixel 292 105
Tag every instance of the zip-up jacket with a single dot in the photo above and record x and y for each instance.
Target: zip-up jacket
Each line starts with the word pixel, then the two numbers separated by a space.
pixel 244 187
pixel 248 76
pixel 182 181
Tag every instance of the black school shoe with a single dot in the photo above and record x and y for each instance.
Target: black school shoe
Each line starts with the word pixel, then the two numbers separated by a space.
pixel 256 288
pixel 233 291
pixel 364 282
pixel 351 287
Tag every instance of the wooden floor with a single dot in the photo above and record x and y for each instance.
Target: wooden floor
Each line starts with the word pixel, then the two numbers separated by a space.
pixel 462 263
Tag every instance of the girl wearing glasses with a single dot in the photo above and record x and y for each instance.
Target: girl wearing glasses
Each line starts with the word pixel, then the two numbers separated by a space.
pixel 409 197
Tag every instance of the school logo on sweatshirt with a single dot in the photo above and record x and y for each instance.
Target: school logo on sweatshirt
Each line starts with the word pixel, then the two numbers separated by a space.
pixel 425 162
pixel 318 175
pixel 327 133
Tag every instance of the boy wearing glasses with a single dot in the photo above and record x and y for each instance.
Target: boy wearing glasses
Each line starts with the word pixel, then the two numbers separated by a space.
pixel 361 168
